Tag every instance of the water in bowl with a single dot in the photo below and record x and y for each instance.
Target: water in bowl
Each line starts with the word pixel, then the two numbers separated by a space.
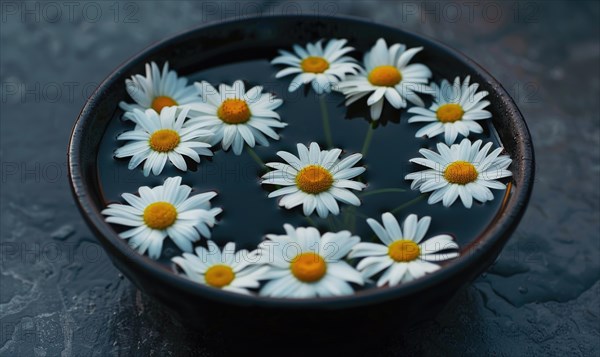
pixel 248 214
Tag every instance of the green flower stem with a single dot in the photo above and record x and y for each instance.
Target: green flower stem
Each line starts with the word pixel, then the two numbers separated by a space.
pixel 326 126
pixel 348 214
pixel 406 204
pixel 256 157
pixel 368 138
pixel 333 225
pixel 358 214
pixel 383 190
pixel 311 221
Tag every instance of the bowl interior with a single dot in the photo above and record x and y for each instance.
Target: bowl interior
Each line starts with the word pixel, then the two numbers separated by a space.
pixel 225 52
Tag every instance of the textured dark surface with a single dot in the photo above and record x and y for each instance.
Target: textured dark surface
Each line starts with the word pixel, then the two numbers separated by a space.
pixel 59 294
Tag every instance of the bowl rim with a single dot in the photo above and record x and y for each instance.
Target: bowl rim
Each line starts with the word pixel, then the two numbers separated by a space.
pixel 498 231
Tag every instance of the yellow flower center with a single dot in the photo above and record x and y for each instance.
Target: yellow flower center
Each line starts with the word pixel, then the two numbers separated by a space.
pixel 404 250
pixel 162 101
pixel 314 179
pixel 386 76
pixel 308 267
pixel 314 64
pixel 160 215
pixel 449 113
pixel 219 276
pixel 234 111
pixel 164 140
pixel 460 172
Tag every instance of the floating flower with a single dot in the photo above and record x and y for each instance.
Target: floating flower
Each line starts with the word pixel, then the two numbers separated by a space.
pixel 157 91
pixel 317 179
pixel 387 75
pixel 228 270
pixel 454 111
pixel 157 139
pixel 164 211
pixel 323 67
pixel 461 170
pixel 237 116
pixel 304 264
pixel 403 256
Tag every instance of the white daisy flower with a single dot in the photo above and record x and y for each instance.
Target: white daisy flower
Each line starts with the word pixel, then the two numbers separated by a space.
pixel 164 211
pixel 161 137
pixel 316 179
pixel 237 116
pixel 387 75
pixel 157 91
pixel 304 264
pixel 461 170
pixel 228 270
pixel 404 255
pixel 323 67
pixel 454 111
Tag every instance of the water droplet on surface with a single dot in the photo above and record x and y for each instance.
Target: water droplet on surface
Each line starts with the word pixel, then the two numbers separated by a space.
pixel 523 290
pixel 63 232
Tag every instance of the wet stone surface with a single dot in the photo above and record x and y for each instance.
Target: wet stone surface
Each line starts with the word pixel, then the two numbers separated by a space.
pixel 59 294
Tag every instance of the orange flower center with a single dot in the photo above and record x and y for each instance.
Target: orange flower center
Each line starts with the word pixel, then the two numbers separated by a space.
pixel 449 113
pixel 219 276
pixel 314 64
pixel 314 179
pixel 162 101
pixel 404 250
pixel 385 76
pixel 234 111
pixel 460 172
pixel 160 215
pixel 164 140
pixel 308 267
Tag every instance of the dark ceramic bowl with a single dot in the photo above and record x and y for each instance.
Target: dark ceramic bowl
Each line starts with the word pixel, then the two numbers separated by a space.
pixel 369 310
